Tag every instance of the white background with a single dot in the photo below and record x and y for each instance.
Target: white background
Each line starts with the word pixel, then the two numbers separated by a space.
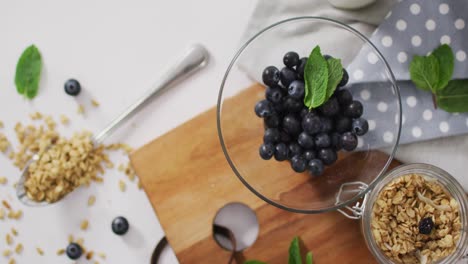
pixel 116 49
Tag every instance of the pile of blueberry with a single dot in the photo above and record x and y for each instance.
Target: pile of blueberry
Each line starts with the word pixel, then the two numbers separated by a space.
pixel 309 139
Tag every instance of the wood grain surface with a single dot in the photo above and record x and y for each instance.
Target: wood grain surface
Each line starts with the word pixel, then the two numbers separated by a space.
pixel 187 179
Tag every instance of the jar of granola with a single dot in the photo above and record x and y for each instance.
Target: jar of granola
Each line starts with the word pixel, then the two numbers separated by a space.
pixel 417 214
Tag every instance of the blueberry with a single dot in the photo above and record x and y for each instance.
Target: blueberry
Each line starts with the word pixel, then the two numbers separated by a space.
pixel 285 137
pixel 426 225
pixel 344 97
pixel 266 151
pixel 294 149
pixel 280 108
pixel 287 76
pixel 292 105
pixel 273 95
pixel 322 140
pixel 309 155
pixel 72 87
pixel 291 59
pixel 304 111
pixel 335 139
pixel 271 76
pixel 305 140
pixel 345 79
pixel 316 167
pixel 296 90
pixel 360 126
pixel 120 225
pixel 343 124
pixel 301 66
pixel 353 110
pixel 327 57
pixel 281 152
pixel 291 125
pixel 330 108
pixel 272 135
pixel 327 155
pixel 311 124
pixel 349 141
pixel 74 251
pixel 298 163
pixel 263 108
pixel 272 121
pixel 326 124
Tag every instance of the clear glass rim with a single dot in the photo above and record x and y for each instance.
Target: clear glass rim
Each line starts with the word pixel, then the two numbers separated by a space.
pixel 391 79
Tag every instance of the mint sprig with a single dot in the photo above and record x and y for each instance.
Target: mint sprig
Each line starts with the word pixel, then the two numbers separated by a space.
pixel 321 77
pixel 295 256
pixel 28 72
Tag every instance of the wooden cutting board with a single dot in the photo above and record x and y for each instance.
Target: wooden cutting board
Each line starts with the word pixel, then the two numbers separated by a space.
pixel 188 179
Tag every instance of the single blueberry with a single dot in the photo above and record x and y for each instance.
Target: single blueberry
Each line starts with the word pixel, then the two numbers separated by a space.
pixel 343 124
pixel 285 137
pixel 316 167
pixel 294 149
pixel 300 67
pixel 309 154
pixel 287 76
pixel 271 135
pixel 330 107
pixel 311 124
pixel 305 140
pixel 354 109
pixel 291 59
pixel 326 124
pixel 271 76
pixel 335 139
pixel 291 125
pixel 74 251
pixel 345 79
pixel 360 126
pixel 292 105
pixel 328 156
pixel 120 225
pixel 304 111
pixel 349 141
pixel 281 152
pixel 72 87
pixel 266 151
pixel 426 225
pixel 273 95
pixel 272 121
pixel 263 108
pixel 322 140
pixel 298 163
pixel 344 97
pixel 296 90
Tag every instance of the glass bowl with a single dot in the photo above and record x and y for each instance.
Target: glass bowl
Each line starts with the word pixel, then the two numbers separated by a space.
pixel 241 131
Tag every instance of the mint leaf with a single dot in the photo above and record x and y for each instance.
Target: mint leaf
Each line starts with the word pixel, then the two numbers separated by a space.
pixel 295 251
pixel 309 259
pixel 28 72
pixel 335 74
pixel 454 98
pixel 445 58
pixel 316 79
pixel 424 72
pixel 254 262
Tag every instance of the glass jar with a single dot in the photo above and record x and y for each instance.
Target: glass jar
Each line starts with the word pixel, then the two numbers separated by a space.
pixel 451 186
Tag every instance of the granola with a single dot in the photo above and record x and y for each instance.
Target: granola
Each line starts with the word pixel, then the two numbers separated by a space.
pixel 396 215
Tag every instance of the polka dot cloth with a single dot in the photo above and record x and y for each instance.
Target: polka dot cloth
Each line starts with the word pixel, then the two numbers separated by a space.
pixel 413 27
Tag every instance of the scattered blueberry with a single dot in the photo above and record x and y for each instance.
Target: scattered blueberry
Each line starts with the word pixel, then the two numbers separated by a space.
pixel 271 135
pixel 291 59
pixel 287 76
pixel 360 126
pixel 331 107
pixel 344 97
pixel 74 251
pixel 305 140
pixel 271 76
pixel 354 109
pixel 273 95
pixel 343 124
pixel 300 67
pixel 322 140
pixel 72 87
pixel 309 155
pixel 266 151
pixel 311 124
pixel 316 167
pixel 425 226
pixel 349 141
pixel 328 156
pixel 326 124
pixel 263 108
pixel 281 152
pixel 291 125
pixel 296 90
pixel 298 163
pixel 336 141
pixel 294 149
pixel 345 79
pixel 272 121
pixel 292 105
pixel 120 225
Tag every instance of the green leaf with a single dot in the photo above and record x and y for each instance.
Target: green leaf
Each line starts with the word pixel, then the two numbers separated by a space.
pixel 254 262
pixel 335 74
pixel 424 72
pixel 445 58
pixel 316 79
pixel 28 72
pixel 309 259
pixel 295 252
pixel 454 98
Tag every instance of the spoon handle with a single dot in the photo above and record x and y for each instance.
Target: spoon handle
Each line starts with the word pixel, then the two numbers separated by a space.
pixel 194 58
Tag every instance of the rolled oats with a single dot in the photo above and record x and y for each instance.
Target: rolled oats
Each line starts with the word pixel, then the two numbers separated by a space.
pixel 60 252
pixel 7 253
pixel 3 180
pixel 1 124
pixel 12 261
pixel 14 231
pixel 40 251
pixel 2 214
pixel 35 116
pixel 19 248
pixel 84 225
pixel 8 239
pixel 81 109
pixel 122 186
pixel 6 204
pixel 91 200
pixel 94 103
pixel 396 214
pixel 64 120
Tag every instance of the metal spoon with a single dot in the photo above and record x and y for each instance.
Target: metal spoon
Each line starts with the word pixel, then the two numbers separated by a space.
pixel 193 59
